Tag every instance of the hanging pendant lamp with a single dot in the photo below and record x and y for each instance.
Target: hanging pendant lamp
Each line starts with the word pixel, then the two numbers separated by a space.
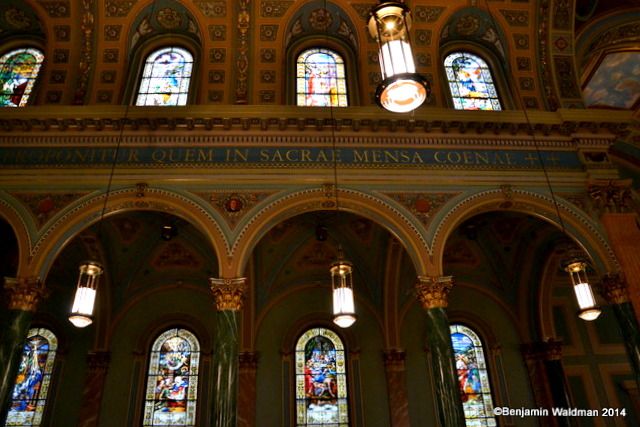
pixel 589 309
pixel 82 312
pixel 344 312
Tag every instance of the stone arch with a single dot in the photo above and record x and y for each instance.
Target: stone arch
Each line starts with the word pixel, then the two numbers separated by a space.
pixel 578 225
pixel 88 210
pixel 16 221
pixel 314 199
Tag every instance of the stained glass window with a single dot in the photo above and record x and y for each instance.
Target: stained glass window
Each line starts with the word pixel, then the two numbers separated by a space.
pixel 470 81
pixel 18 72
pixel 166 77
pixel 34 377
pixel 321 383
pixel 473 379
pixel 321 79
pixel 172 381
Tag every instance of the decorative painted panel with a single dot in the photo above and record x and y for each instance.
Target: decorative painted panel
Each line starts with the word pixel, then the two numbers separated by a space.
pixel 321 384
pixel 34 377
pixel 321 80
pixel 18 72
pixel 166 77
pixel 616 82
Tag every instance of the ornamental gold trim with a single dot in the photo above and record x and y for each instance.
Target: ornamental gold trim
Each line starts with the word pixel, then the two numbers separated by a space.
pixel 433 291
pixel 228 293
pixel 25 292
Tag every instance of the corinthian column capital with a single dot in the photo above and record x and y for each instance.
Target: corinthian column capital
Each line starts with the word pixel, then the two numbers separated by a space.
pixel 228 293
pixel 433 291
pixel 24 292
pixel 614 289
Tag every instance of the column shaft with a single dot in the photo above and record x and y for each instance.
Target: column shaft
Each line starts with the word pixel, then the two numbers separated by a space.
pixel 98 363
pixel 225 369
pixel 394 364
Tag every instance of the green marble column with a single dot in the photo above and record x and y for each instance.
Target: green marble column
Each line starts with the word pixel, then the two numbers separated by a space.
pixel 614 289
pixel 433 293
pixel 24 295
pixel 228 294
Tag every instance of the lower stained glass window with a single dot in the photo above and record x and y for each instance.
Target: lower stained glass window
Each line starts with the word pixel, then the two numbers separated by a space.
pixel 33 380
pixel 320 79
pixel 165 78
pixel 321 383
pixel 18 72
pixel 473 380
pixel 172 382
pixel 470 82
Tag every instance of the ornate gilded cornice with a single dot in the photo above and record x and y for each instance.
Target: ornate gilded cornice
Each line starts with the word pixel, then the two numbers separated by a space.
pixel 354 119
pixel 228 293
pixel 25 293
pixel 433 292
pixel 614 289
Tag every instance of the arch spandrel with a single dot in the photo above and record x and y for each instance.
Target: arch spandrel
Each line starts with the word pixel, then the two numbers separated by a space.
pixel 87 211
pixel 372 207
pixel 578 225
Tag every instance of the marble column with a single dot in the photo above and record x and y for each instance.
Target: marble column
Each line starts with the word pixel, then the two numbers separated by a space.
pixel 247 385
pixel 98 365
pixel 24 294
pixel 433 294
pixel 552 353
pixel 229 295
pixel 614 289
pixel 394 366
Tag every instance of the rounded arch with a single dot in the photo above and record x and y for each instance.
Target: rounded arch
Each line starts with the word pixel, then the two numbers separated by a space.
pixel 88 211
pixel 21 231
pixel 577 225
pixel 365 205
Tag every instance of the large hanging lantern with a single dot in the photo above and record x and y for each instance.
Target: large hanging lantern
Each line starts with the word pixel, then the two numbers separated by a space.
pixel 402 89
pixel 344 312
pixel 577 270
pixel 82 311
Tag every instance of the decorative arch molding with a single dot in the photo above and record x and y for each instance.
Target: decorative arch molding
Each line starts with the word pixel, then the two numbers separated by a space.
pixel 578 225
pixel 17 217
pixel 370 206
pixel 88 210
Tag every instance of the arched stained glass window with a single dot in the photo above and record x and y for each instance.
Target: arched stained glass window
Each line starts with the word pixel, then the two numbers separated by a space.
pixel 321 79
pixel 172 381
pixel 473 379
pixel 321 380
pixel 18 72
pixel 165 78
pixel 470 81
pixel 34 378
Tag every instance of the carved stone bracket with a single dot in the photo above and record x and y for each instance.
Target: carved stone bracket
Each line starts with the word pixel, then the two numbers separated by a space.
pixel 25 292
pixel 433 292
pixel 614 289
pixel 611 196
pixel 228 293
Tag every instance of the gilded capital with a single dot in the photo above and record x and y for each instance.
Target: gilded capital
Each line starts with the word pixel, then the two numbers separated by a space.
pixel 611 196
pixel 552 349
pixel 433 291
pixel 24 292
pixel 614 289
pixel 228 293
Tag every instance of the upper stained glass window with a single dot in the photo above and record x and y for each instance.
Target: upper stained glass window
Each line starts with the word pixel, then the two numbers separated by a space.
pixel 321 79
pixel 166 77
pixel 470 82
pixel 18 72
pixel 321 384
pixel 172 381
pixel 33 380
pixel 473 379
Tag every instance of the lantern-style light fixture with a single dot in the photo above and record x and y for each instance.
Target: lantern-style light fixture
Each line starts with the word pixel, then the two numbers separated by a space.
pixel 344 312
pixel 82 311
pixel 577 270
pixel 402 89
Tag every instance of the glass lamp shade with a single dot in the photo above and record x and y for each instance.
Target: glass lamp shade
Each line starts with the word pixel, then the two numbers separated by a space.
pixel 402 89
pixel 344 313
pixel 82 310
pixel 589 309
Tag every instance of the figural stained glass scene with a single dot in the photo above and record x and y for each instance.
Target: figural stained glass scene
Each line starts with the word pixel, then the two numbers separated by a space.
pixel 321 387
pixel 470 81
pixel 321 79
pixel 473 380
pixel 34 376
pixel 165 78
pixel 172 381
pixel 18 73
